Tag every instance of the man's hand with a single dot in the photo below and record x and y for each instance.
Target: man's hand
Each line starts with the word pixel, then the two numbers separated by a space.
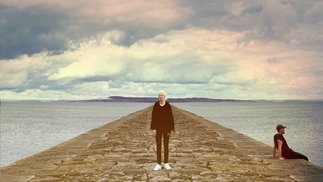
pixel 154 132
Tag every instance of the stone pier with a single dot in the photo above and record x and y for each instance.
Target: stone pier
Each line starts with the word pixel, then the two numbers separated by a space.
pixel 124 150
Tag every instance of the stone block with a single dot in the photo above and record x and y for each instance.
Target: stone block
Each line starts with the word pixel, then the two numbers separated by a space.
pixel 174 175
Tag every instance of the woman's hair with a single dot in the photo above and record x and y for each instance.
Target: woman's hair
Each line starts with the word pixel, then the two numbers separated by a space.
pixel 164 93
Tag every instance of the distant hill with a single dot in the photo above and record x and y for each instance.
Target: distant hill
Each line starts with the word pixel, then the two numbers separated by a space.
pixel 154 99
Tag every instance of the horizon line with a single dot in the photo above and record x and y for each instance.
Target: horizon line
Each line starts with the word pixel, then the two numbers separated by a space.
pixel 151 97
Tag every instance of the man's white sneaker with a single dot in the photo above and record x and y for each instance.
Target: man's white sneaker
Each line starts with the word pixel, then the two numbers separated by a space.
pixel 166 166
pixel 157 167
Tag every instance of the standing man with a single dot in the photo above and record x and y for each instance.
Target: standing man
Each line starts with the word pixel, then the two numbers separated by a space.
pixel 162 122
pixel 281 145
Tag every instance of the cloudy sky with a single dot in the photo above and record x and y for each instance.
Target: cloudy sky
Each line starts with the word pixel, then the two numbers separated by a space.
pixel 80 49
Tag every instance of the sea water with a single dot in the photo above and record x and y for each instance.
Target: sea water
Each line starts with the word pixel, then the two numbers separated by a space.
pixel 258 120
pixel 31 127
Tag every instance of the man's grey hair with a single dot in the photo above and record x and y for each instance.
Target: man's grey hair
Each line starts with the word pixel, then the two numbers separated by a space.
pixel 164 93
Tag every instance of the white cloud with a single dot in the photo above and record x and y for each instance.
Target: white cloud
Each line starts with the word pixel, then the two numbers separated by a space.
pixel 16 73
pixel 12 80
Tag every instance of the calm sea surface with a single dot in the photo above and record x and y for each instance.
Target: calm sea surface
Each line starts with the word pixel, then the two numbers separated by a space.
pixel 31 127
pixel 258 120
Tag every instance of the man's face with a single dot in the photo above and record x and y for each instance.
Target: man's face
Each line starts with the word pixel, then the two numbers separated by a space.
pixel 282 130
pixel 161 96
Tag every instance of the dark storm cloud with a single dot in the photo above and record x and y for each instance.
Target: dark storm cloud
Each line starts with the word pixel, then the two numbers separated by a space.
pixel 208 14
pixel 30 31
pixel 263 21
pixel 36 29
pixel 217 15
